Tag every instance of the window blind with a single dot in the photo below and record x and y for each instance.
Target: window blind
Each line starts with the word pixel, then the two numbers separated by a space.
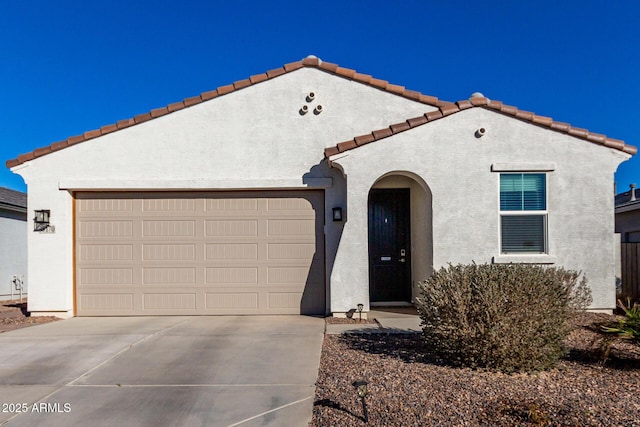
pixel 522 192
pixel 523 233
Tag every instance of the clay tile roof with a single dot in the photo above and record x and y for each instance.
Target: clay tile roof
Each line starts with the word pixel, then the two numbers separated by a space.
pixel 444 109
pixel 448 108
pixel 310 61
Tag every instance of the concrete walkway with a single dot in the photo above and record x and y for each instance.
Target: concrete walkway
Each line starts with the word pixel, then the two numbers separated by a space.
pixel 140 371
pixel 403 320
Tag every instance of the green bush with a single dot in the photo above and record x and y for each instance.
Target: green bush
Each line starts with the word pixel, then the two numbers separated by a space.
pixel 502 317
pixel 629 325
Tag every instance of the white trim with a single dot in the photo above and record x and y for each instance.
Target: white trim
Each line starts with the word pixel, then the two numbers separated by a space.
pixel 523 167
pixel 524 259
pixel 543 213
pixel 193 184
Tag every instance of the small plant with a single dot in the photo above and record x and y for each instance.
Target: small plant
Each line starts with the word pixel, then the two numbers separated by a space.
pixel 629 325
pixel 503 317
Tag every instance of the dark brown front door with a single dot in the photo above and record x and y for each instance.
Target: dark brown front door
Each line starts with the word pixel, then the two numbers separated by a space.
pixel 389 245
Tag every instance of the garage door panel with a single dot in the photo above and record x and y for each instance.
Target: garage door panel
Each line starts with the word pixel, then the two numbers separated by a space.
pixel 200 253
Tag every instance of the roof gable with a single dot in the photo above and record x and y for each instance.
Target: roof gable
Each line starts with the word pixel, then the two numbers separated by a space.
pixel 446 109
pixel 310 61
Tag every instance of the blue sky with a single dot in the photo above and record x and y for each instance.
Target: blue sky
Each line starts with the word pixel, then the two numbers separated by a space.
pixel 71 66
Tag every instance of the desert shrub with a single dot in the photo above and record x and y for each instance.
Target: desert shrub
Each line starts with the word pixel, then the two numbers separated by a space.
pixel 629 325
pixel 502 317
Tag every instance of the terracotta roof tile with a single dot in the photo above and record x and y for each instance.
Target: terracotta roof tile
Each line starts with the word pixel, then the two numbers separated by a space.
pixel 525 115
pixel 449 108
pixel 159 112
pixel 188 102
pixel 431 100
pixel 542 120
pixel 620 145
pixel 75 139
pixel 445 108
pixel 412 94
pixel 509 109
pixel 328 66
pixel 310 60
pixel 346 145
pixel 292 66
pixel 210 94
pixel 382 133
pixel 580 133
pixel 464 104
pixel 378 83
pixel 241 84
pixel 345 72
pixel 560 126
pixel 223 90
pixel 58 146
pixel 92 134
pixel 364 139
pixel 417 121
pixel 258 78
pixel 141 118
pixel 362 78
pixel 598 138
pixel 327 152
pixel 400 127
pixel 109 128
pixel 273 73
pixel 433 115
pixel 478 100
pixel 26 157
pixel 397 89
pixel 124 123
pixel 42 151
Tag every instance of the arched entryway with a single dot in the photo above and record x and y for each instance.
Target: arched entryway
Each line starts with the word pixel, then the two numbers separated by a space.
pixel 400 237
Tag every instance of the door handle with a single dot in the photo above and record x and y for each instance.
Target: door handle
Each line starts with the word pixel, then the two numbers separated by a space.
pixel 401 260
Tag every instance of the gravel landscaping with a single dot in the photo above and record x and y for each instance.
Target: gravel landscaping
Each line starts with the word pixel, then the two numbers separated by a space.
pixel 14 315
pixel 410 387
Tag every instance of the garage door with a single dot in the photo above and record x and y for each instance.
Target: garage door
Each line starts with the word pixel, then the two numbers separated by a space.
pixel 198 253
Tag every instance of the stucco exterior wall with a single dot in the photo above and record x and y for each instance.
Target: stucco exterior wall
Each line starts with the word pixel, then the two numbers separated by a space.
pixel 252 138
pixel 13 252
pixel 457 168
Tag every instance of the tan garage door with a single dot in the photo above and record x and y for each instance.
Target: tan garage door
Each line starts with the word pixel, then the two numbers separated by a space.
pixel 199 253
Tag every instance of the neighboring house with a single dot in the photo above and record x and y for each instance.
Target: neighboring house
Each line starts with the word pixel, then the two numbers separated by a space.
pixel 13 244
pixel 310 189
pixel 628 215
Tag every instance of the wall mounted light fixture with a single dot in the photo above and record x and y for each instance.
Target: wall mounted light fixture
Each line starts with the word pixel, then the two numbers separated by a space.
pixel 42 220
pixel 337 214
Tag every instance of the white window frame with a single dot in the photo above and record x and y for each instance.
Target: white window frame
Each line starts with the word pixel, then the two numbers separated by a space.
pixel 524 257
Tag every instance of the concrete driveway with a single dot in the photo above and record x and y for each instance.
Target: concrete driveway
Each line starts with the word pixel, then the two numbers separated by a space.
pixel 149 371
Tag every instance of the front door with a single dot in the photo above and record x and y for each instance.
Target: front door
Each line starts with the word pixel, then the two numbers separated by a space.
pixel 389 245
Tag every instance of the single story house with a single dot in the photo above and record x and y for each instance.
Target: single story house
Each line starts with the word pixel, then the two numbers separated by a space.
pixel 628 215
pixel 310 189
pixel 13 244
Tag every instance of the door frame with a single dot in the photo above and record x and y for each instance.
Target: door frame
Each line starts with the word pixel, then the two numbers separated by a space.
pixel 403 195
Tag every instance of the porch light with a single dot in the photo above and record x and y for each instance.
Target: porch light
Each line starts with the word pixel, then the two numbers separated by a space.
pixel 361 391
pixel 337 214
pixel 41 220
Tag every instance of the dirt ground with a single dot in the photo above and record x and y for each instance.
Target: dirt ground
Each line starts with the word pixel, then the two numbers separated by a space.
pixel 14 315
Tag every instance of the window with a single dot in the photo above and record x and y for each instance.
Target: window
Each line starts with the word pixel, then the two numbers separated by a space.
pixel 523 213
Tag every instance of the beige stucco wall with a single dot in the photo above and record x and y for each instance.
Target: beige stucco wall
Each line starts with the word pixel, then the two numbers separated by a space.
pixel 252 138
pixel 457 168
